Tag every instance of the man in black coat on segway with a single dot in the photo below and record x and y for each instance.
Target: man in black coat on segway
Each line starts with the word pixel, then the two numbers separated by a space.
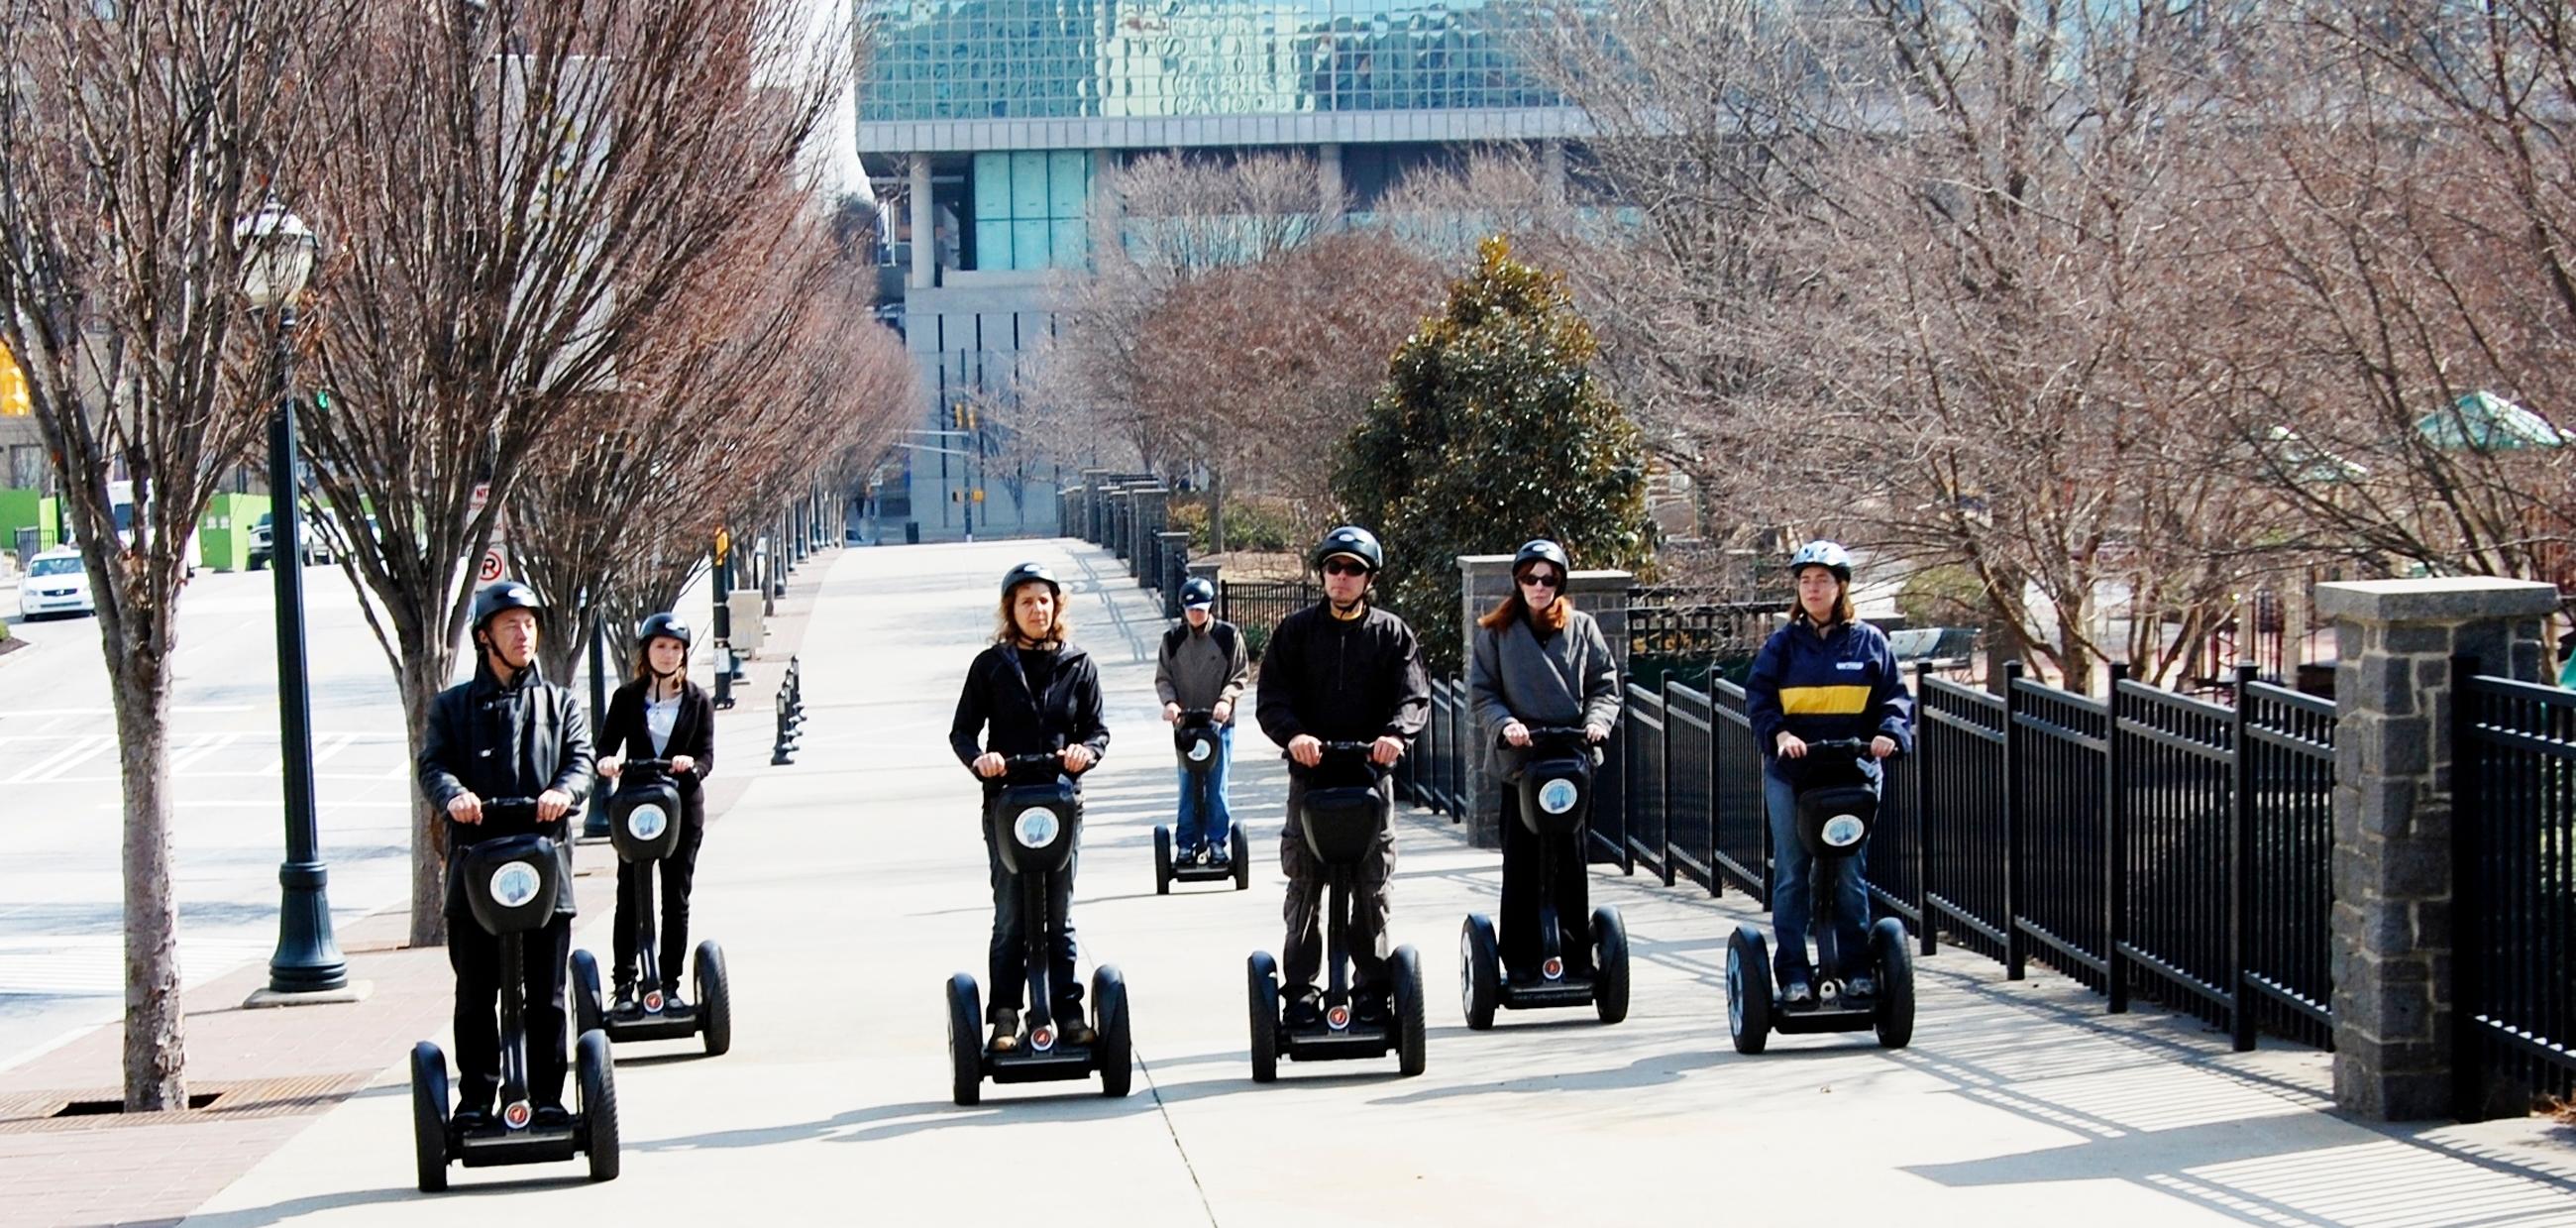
pixel 1340 670
pixel 506 733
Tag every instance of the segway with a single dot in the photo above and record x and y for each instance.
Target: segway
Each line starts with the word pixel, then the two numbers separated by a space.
pixel 644 825
pixel 1341 821
pixel 510 886
pixel 1555 800
pixel 1836 807
pixel 1194 739
pixel 1035 819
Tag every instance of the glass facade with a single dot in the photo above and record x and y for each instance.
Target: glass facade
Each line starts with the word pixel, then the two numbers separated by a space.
pixel 1028 209
pixel 1087 59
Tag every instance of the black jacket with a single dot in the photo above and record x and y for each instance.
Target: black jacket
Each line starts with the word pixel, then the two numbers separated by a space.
pixel 622 733
pixel 1342 680
pixel 493 741
pixel 996 706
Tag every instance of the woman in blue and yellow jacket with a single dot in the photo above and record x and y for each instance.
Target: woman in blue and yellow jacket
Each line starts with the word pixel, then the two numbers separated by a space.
pixel 1825 675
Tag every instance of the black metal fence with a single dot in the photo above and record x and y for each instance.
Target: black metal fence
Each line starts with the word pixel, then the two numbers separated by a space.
pixel 2513 839
pixel 2146 844
pixel 1256 606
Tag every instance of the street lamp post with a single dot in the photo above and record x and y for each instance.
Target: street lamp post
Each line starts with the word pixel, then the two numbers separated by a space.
pixel 281 251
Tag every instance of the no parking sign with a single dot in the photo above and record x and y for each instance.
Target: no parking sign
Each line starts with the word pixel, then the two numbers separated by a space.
pixel 495 568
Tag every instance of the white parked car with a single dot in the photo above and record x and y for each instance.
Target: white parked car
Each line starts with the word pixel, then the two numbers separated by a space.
pixel 55 583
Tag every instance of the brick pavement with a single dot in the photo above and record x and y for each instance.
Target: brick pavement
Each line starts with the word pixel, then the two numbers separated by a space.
pixel 275 1071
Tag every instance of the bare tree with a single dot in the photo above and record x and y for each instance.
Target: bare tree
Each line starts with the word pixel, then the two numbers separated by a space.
pixel 525 183
pixel 1258 370
pixel 1160 222
pixel 131 148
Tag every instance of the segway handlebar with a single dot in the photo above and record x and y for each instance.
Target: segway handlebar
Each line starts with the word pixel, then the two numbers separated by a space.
pixel 1857 746
pixel 1054 756
pixel 491 804
pixel 1198 714
pixel 1555 731
pixel 659 767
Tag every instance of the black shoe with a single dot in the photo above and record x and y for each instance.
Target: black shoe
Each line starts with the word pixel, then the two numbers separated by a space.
pixel 1006 1029
pixel 1076 1030
pixel 1371 1007
pixel 1220 858
pixel 1306 1010
pixel 673 1004
pixel 469 1121
pixel 624 1003
pixel 552 1117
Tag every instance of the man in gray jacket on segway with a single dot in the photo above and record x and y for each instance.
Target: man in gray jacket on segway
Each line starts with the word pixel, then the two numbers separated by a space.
pixel 506 733
pixel 1340 670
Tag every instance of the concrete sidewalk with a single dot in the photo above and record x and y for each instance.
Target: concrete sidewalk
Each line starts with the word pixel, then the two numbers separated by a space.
pixel 846 887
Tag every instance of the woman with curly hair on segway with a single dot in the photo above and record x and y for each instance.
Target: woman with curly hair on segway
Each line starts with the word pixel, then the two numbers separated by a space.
pixel 1032 692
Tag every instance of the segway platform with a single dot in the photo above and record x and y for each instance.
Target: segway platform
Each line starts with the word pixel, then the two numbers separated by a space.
pixel 644 827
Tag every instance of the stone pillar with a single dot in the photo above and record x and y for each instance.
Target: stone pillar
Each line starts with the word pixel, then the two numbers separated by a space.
pixel 2392 938
pixel 1087 521
pixel 1484 580
pixel 925 240
pixel 1146 550
pixel 1171 569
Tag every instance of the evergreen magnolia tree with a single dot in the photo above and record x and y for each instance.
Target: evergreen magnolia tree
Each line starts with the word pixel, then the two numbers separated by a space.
pixel 1490 431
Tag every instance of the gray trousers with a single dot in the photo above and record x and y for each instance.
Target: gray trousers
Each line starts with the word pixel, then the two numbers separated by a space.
pixel 1303 949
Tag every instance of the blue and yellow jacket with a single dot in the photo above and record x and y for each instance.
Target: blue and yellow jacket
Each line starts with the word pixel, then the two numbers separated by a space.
pixel 1845 683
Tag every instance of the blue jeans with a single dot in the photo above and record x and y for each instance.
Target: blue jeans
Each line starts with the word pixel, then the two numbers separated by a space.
pixel 1845 947
pixel 1214 828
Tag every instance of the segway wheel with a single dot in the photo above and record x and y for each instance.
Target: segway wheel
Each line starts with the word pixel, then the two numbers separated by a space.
pixel 1242 851
pixel 1116 1054
pixel 587 1006
pixel 965 1040
pixel 429 1115
pixel 598 1103
pixel 1479 972
pixel 1895 1011
pixel 1609 965
pixel 1261 991
pixel 1748 991
pixel 715 999
pixel 1406 968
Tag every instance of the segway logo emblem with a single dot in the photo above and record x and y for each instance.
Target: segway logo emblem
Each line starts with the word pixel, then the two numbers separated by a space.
pixel 516 1116
pixel 1199 751
pixel 653 1003
pixel 1844 830
pixel 1558 796
pixel 1036 827
pixel 647 822
pixel 1042 1039
pixel 514 885
pixel 1553 969
pixel 1338 1018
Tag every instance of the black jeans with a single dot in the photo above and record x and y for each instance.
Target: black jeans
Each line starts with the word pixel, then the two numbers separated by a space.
pixel 1007 961
pixel 1525 889
pixel 677 871
pixel 476 957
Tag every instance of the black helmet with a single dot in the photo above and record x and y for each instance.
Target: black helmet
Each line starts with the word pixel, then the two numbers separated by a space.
pixel 1352 540
pixel 1196 591
pixel 664 623
pixel 1820 553
pixel 506 595
pixel 1541 549
pixel 1026 572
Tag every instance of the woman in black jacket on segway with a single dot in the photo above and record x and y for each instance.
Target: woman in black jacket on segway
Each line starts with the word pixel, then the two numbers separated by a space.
pixel 661 715
pixel 1032 692
pixel 1538 661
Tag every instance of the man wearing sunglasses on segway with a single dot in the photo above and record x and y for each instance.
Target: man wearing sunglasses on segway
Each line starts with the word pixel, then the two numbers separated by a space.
pixel 506 733
pixel 1341 670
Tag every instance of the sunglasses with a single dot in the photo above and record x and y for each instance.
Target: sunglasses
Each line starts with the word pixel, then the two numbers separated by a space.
pixel 1541 579
pixel 1345 567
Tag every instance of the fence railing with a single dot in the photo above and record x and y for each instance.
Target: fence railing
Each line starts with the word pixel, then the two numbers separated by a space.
pixel 2513 841
pixel 2147 844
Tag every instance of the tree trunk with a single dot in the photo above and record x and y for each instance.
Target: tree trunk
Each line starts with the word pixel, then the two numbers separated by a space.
pixel 1216 510
pixel 154 1014
pixel 420 685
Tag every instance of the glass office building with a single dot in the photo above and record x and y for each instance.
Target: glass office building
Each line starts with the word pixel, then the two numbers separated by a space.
pixel 985 124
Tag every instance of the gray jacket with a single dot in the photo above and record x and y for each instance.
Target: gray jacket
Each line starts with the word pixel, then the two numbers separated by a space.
pixel 1200 669
pixel 1571 679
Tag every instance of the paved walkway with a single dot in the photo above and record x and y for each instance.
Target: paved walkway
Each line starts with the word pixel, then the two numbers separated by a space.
pixel 846 887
